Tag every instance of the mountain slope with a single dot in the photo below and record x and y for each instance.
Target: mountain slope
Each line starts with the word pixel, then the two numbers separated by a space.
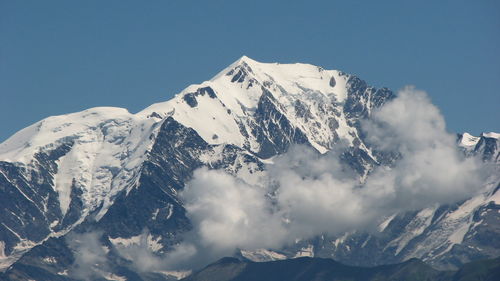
pixel 307 269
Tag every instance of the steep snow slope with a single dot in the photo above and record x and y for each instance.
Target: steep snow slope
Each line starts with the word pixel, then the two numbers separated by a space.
pixel 107 146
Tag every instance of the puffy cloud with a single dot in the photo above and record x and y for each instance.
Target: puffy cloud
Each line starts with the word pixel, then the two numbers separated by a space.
pixel 90 255
pixel 431 169
pixel 316 193
pixel 144 259
pixel 407 123
pixel 228 213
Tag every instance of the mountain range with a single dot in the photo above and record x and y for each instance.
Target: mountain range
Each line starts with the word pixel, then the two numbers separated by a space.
pixel 120 176
pixel 318 269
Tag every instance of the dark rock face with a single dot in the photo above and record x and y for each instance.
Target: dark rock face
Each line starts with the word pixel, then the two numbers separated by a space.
pixel 29 204
pixel 75 209
pixel 488 147
pixel 32 266
pixel 240 73
pixel 210 92
pixel 302 111
pixel 174 156
pixel 273 130
pixel 190 98
pixel 332 82
pixel 358 160
pixel 362 99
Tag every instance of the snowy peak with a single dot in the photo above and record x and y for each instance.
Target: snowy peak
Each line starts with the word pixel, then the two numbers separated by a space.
pixel 225 109
pixel 291 78
pixel 106 146
pixel 467 140
pixel 56 128
pixel 491 135
pixel 486 145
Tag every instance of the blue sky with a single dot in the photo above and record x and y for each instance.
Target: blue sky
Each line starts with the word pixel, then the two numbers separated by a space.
pixel 59 57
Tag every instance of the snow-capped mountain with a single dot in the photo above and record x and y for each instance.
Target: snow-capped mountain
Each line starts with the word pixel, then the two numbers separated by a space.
pixel 118 172
pixel 485 145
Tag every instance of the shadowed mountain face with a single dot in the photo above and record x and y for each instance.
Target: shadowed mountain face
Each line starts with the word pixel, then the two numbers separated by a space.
pixel 116 174
pixel 317 269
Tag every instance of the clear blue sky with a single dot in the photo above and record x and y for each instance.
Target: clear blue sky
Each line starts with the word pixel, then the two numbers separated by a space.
pixel 64 56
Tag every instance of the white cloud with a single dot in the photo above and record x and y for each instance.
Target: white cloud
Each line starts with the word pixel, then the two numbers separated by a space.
pixel 431 170
pixel 228 213
pixel 144 259
pixel 90 255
